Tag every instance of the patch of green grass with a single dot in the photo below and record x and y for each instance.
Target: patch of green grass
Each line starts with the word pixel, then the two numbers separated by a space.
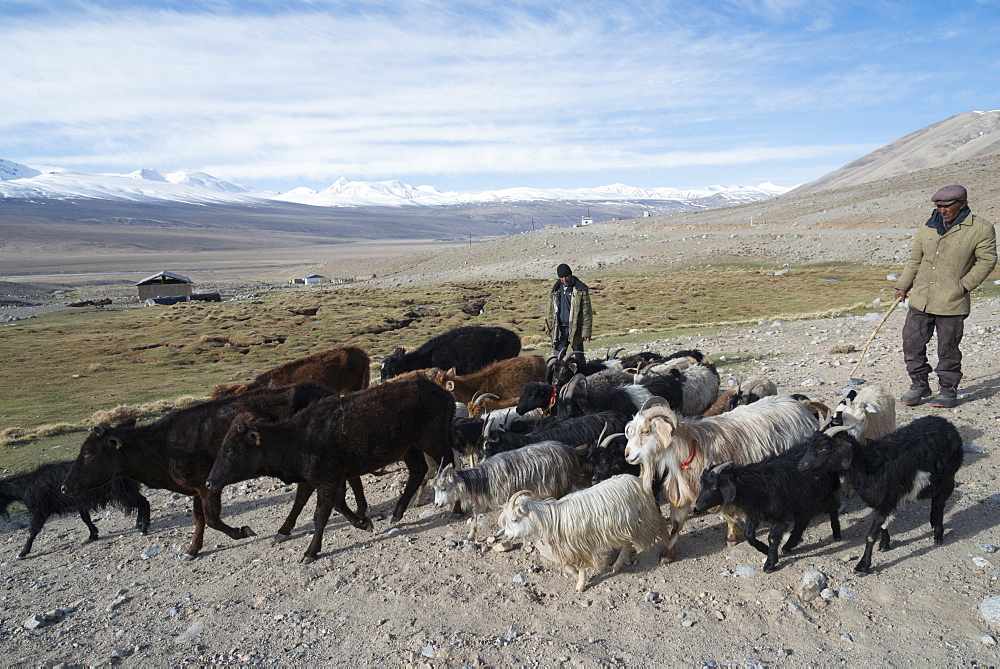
pixel 63 367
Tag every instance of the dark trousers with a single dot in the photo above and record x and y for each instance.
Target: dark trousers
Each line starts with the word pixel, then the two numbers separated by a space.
pixel 560 341
pixel 917 331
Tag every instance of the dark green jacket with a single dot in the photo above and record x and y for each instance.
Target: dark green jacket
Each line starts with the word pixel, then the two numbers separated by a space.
pixel 581 317
pixel 944 269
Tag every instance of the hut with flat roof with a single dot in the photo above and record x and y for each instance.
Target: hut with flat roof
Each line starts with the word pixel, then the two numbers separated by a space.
pixel 164 284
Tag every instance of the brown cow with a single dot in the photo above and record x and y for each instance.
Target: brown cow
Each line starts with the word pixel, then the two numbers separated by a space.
pixel 343 369
pixel 504 379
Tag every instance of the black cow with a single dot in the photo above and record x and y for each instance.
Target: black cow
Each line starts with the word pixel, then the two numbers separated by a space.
pixel 467 349
pixel 177 452
pixel 341 437
pixel 39 491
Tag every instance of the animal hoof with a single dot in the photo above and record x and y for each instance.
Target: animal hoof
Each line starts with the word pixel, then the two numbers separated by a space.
pixel 279 538
pixel 770 568
pixel 307 559
pixel 862 571
pixel 21 556
pixel 187 557
pixel 247 532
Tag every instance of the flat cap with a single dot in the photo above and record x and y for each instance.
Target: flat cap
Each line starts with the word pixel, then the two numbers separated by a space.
pixel 950 194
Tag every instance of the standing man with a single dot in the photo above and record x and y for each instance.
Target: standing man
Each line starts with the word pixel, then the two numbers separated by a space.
pixel 952 254
pixel 569 317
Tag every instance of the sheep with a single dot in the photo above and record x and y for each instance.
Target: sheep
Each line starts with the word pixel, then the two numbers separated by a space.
pixel 774 491
pixel 39 491
pixel 677 449
pixel 869 413
pixel 549 468
pixel 916 461
pixel 575 531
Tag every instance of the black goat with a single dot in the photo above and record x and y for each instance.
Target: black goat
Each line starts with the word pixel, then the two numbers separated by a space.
pixel 690 392
pixel 39 491
pixel 578 396
pixel 916 461
pixel 608 458
pixel 773 491
pixel 573 431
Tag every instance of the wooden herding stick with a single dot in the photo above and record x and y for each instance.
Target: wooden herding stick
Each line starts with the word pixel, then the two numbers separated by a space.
pixel 864 350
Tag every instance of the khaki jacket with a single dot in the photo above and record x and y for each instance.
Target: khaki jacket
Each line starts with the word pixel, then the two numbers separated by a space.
pixel 944 269
pixel 581 317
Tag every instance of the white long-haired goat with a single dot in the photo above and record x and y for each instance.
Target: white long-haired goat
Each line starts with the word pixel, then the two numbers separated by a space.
pixel 578 530
pixel 867 414
pixel 549 469
pixel 677 449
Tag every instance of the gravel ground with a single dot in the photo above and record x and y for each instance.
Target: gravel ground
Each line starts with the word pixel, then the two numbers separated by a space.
pixel 420 594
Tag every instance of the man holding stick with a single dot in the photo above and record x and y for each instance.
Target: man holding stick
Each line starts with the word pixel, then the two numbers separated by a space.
pixel 952 253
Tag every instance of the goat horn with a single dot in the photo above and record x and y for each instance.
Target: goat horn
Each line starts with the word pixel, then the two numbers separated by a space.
pixel 649 365
pixel 604 429
pixel 837 429
pixel 610 437
pixel 518 494
pixel 614 356
pixel 723 466
pixel 654 401
pixel 483 397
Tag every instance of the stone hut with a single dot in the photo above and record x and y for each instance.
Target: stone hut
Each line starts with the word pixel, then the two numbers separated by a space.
pixel 164 284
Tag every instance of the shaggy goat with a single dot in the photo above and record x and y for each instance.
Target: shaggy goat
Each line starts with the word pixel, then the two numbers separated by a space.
pixel 678 449
pixel 917 461
pixel 773 491
pixel 741 395
pixel 578 529
pixel 576 431
pixel 868 414
pixel 39 491
pixel 549 469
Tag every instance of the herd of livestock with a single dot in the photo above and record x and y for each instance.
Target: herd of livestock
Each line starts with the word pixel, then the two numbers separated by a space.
pixel 576 454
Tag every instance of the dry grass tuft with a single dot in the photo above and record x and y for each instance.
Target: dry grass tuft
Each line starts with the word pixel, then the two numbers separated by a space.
pixel 54 430
pixel 124 412
pixel 13 435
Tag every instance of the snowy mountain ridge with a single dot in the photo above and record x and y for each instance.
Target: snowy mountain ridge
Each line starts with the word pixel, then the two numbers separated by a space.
pixel 151 185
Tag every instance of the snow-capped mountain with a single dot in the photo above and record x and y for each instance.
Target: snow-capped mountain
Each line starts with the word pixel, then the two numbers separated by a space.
pixel 151 185
pixel 144 185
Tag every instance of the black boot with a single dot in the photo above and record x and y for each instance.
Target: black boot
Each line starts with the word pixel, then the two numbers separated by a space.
pixel 919 390
pixel 947 397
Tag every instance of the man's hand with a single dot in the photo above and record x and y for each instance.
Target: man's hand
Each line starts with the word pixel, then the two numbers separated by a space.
pixel 901 294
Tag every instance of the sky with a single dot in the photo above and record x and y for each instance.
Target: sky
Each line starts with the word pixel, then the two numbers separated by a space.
pixel 473 96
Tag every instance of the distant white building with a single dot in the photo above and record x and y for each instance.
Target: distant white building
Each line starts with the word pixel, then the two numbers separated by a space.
pixel 310 279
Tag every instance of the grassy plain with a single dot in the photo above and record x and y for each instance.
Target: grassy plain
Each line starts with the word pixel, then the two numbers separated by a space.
pixel 64 367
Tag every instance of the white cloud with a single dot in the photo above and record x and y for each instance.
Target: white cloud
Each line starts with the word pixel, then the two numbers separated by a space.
pixel 412 87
